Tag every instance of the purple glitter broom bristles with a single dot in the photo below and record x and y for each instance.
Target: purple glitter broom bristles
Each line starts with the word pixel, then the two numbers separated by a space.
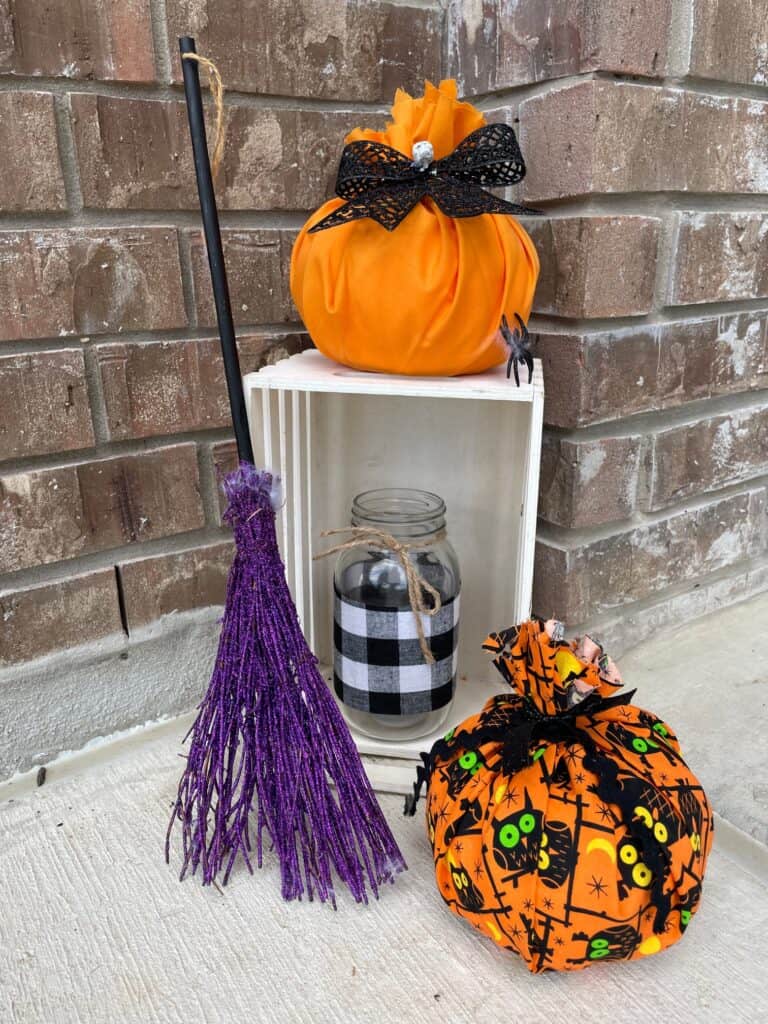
pixel 268 733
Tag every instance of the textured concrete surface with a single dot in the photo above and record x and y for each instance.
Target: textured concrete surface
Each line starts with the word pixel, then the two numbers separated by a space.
pixel 97 929
pixel 62 702
pixel 709 679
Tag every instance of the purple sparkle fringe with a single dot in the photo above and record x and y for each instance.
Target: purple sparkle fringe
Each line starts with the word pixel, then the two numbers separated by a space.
pixel 269 733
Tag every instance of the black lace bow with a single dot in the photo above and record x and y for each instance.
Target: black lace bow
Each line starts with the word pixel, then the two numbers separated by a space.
pixel 380 182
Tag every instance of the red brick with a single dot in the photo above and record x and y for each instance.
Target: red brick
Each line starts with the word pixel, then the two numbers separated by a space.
pixel 136 154
pixel 162 584
pixel 32 177
pixel 89 281
pixel 258 266
pixel 494 44
pixel 607 375
pixel 49 515
pixel 720 257
pixel 670 140
pixel 45 403
pixel 168 387
pixel 586 483
pixel 586 578
pixel 106 39
pixel 595 266
pixel 53 616
pixel 330 50
pixel 696 457
pixel 728 41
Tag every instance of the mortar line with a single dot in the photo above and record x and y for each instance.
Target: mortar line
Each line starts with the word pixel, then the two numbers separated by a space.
pixel 680 38
pixel 580 536
pixel 160 42
pixel 205 332
pixel 614 616
pixel 669 235
pixel 517 94
pixel 187 277
pixel 51 573
pixel 717 88
pixel 550 323
pixel 617 205
pixel 121 606
pixel 208 484
pixel 174 90
pixel 643 203
pixel 565 538
pixel 645 473
pixel 117 219
pixel 540 323
pixel 67 157
pixel 96 401
pixel 652 422
pixel 424 5
pixel 645 422
pixel 695 84
pixel 113 449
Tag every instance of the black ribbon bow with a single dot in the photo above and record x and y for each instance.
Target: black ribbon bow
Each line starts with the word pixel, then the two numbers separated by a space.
pixel 384 184
pixel 527 725
pixel 517 725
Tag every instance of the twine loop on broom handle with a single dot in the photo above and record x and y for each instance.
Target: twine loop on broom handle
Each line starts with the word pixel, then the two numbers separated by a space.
pixel 371 537
pixel 216 86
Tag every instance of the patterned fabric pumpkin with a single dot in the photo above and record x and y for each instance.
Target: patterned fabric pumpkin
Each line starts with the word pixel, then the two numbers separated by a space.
pixel 565 824
pixel 428 297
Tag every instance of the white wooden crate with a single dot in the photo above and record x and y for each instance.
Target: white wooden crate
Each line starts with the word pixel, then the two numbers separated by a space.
pixel 332 432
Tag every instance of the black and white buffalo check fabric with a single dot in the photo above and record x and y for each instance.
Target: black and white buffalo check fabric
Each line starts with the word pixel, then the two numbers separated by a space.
pixel 378 663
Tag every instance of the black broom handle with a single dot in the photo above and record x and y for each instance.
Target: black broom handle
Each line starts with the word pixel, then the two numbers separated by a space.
pixel 215 252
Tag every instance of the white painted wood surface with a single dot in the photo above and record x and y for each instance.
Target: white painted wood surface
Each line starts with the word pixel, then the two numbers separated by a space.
pixel 391 764
pixel 474 440
pixel 96 929
pixel 312 371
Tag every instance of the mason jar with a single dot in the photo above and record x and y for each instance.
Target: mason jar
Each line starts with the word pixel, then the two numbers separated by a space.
pixel 386 686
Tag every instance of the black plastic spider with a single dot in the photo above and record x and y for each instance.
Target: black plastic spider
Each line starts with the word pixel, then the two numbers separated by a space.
pixel 518 342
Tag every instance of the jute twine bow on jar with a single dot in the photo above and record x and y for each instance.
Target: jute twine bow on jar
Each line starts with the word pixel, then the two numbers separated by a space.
pixel 417 585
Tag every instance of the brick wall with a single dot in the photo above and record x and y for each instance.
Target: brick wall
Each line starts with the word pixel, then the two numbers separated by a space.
pixel 645 129
pixel 644 126
pixel 113 413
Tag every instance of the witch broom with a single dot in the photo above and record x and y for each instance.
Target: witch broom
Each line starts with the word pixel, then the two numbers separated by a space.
pixel 268 736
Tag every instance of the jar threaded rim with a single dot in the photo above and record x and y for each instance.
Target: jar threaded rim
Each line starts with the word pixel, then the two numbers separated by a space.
pixel 399 506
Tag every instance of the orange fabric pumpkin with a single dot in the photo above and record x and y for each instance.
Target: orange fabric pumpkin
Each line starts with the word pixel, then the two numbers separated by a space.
pixel 569 833
pixel 426 298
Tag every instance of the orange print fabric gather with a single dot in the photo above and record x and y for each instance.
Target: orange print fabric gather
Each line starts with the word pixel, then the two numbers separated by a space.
pixel 428 297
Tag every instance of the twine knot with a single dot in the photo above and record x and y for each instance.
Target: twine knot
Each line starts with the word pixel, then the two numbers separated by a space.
pixel 217 92
pixel 417 585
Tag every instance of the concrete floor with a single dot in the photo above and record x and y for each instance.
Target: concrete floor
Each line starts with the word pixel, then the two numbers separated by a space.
pixel 97 929
pixel 710 681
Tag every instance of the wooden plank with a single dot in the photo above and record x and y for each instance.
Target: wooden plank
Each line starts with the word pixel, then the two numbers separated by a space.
pixel 311 371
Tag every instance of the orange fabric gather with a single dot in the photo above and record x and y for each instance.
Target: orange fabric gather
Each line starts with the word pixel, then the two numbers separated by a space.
pixel 427 298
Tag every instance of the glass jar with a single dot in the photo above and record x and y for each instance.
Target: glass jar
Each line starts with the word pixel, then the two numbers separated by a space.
pixel 386 687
